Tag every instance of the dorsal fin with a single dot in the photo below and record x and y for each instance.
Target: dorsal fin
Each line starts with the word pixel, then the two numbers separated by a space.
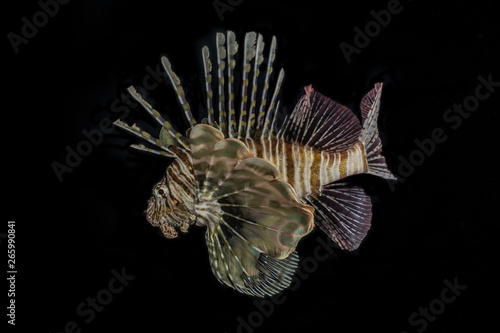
pixel 207 70
pixel 267 130
pixel 259 58
pixel 144 135
pixel 232 48
pixel 263 101
pixel 256 120
pixel 176 82
pixel 168 133
pixel 317 121
pixel 248 56
pixel 221 65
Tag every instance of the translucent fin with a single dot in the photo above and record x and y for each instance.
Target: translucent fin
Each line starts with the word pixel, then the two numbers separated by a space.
pixel 203 139
pixel 176 82
pixel 266 211
pixel 344 213
pixel 221 65
pixel 157 116
pixel 276 275
pixel 207 66
pixel 232 48
pixel 370 105
pixel 249 272
pixel 319 122
pixel 248 55
pixel 259 224
pixel 226 155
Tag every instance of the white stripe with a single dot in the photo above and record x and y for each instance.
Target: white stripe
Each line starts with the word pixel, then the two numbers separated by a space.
pixel 253 147
pixel 321 166
pixel 270 158
pixel 263 148
pixel 283 164
pixel 336 167
pixel 359 158
pixel 296 167
pixel 277 154
pixel 307 181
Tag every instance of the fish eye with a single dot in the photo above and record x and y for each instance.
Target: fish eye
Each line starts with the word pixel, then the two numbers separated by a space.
pixel 161 190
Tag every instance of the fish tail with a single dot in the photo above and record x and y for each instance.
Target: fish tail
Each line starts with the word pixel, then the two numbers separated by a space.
pixel 370 105
pixel 342 209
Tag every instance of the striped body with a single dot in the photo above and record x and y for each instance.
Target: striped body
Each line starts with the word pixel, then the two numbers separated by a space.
pixel 308 169
pixel 305 168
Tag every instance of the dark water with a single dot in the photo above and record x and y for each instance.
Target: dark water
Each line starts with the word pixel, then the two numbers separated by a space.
pixel 86 257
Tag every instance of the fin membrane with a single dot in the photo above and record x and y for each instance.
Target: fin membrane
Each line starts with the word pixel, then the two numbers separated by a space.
pixel 254 221
pixel 274 275
pixel 370 105
pixel 344 213
pixel 203 139
pixel 319 122
pixel 226 155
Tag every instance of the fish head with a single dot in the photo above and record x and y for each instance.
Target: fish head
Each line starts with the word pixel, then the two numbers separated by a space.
pixel 169 208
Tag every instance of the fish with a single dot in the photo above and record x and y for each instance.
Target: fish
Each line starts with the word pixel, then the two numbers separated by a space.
pixel 259 184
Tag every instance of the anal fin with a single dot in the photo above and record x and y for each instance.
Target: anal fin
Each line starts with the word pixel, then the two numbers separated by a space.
pixel 343 212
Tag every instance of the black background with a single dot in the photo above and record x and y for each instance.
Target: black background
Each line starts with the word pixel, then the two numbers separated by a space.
pixel 438 224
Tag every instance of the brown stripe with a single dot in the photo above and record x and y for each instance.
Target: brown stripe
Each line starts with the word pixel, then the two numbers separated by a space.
pixel 316 165
pixel 290 164
pixel 302 171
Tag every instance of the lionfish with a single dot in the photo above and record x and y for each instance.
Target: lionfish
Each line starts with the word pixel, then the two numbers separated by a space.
pixel 256 183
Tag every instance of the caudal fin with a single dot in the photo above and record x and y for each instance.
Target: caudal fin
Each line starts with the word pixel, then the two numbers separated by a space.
pixel 370 105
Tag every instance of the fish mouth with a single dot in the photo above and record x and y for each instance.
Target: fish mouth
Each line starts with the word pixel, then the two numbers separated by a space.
pixel 154 222
pixel 168 230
